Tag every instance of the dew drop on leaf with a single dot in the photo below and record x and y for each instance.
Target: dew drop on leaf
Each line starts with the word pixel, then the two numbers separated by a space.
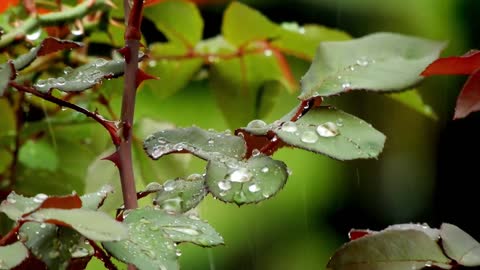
pixel 309 137
pixel 346 85
pixel 268 53
pixel 39 198
pixel 224 185
pixel 264 169
pixel 241 175
pixel 169 185
pixel 327 130
pixel 41 83
pixel 254 188
pixel 257 124
pixel 362 62
pixel 34 35
pixel 289 127
pixel 61 81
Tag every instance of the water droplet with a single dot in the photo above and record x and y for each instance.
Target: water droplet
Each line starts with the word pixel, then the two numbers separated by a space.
pixel 76 31
pixel 40 197
pixel 257 124
pixel 179 146
pixel 224 185
pixel 63 109
pixel 265 195
pixel 352 68
pixel 189 231
pixel 169 185
pixel 21 236
pixel 11 200
pixel 264 169
pixel 362 61
pixel 268 53
pixel 210 141
pixel 254 188
pixel 346 85
pixel 43 225
pixel 53 254
pixel 339 122
pixel 100 62
pixel 178 253
pixel 154 228
pixel 67 70
pixel 161 141
pixel 41 83
pixel 328 129
pixel 171 205
pixel 241 175
pixel 61 81
pixel 289 127
pixel 34 35
pixel 255 152
pixel 80 252
pixel 153 186
pixel 309 137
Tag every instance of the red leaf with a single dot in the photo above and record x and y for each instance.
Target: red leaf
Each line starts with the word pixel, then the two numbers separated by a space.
pixel 51 45
pixel 469 99
pixel 4 4
pixel 63 202
pixel 465 64
pixel 354 234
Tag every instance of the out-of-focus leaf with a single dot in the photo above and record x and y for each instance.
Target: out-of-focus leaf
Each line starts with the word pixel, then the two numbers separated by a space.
pixel 8 126
pixel 94 225
pixel 390 249
pixel 237 82
pixel 456 65
pixel 5 160
pixel 459 245
pixel 12 255
pixel 7 73
pixel 55 246
pixel 377 62
pixel 241 182
pixel 180 21
pixel 83 77
pixel 302 41
pixel 172 75
pixel 179 196
pixel 204 144
pixel 242 24
pixel 468 100
pixel 413 100
pixel 38 155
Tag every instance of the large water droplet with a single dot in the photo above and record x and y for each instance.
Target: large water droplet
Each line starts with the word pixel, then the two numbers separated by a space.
pixel 255 152
pixel 257 124
pixel 61 81
pixel 225 185
pixel 254 188
pixel 289 127
pixel 309 137
pixel 339 122
pixel 41 83
pixel 169 185
pixel 34 35
pixel 40 197
pixel 346 85
pixel 171 205
pixel 178 252
pixel 328 129
pixel 77 30
pixel 241 175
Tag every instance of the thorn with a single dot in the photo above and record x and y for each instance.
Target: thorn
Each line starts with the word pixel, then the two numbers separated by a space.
pixel 115 158
pixel 125 51
pixel 143 76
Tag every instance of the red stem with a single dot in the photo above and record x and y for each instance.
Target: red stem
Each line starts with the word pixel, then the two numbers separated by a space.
pixel 102 256
pixel 11 235
pixel 108 125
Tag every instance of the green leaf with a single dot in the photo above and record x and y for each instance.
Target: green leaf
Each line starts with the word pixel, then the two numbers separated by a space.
pixel 179 196
pixel 94 200
pixel 240 182
pixel 38 155
pixel 55 246
pixel 390 249
pixel 94 225
pixel 173 75
pixel 302 41
pixel 377 62
pixel 8 126
pixel 83 77
pixel 15 206
pixel 238 83
pixel 202 143
pixel 180 21
pixel 327 131
pixel 12 255
pixel 459 245
pixel 242 24
pixel 413 100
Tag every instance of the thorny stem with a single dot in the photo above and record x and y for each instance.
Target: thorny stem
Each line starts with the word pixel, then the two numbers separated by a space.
pixel 102 256
pixel 109 125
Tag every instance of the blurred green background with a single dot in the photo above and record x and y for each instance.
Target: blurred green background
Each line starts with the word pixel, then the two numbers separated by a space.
pixel 423 175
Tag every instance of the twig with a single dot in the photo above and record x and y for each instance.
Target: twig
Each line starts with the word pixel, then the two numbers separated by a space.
pixel 102 256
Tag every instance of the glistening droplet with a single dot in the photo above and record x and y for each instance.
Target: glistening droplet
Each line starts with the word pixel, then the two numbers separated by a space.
pixel 309 137
pixel 328 129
